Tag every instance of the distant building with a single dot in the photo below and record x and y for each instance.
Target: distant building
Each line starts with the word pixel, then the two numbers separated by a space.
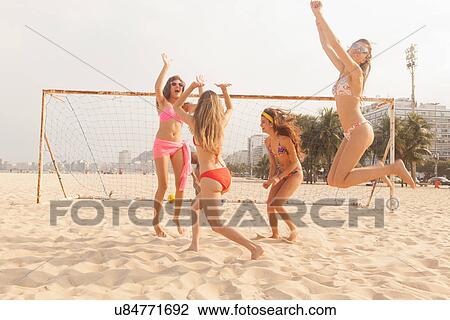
pixel 239 157
pixel 7 165
pixel 79 166
pixel 437 116
pixel 23 166
pixel 256 149
pixel 124 161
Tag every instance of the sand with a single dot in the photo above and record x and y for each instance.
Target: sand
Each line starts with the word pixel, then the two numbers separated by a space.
pixel 409 258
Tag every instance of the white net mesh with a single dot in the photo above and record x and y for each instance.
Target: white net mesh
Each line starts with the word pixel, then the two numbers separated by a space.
pixel 102 144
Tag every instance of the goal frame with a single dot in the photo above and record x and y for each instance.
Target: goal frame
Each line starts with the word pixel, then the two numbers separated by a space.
pixel 43 141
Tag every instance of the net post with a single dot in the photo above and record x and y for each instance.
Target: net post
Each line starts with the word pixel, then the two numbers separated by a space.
pixel 54 165
pixel 41 148
pixel 392 151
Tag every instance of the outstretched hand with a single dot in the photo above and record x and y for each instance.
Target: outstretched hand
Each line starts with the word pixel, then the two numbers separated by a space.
pixel 166 59
pixel 316 6
pixel 223 85
pixel 199 81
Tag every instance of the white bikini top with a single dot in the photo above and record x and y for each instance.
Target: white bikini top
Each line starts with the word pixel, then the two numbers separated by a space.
pixel 342 87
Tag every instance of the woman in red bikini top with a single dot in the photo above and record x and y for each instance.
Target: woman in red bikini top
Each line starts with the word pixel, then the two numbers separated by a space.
pixel 285 171
pixel 207 125
pixel 354 67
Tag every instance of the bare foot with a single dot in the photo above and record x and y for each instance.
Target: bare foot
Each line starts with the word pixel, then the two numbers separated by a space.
pixel 259 237
pixel 293 236
pixel 159 231
pixel 404 174
pixel 257 252
pixel 192 247
pixel 385 178
pixel 179 227
pixel 273 236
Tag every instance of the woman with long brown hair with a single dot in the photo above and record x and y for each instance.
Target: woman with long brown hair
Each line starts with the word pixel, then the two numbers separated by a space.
pixel 354 67
pixel 285 172
pixel 168 145
pixel 207 125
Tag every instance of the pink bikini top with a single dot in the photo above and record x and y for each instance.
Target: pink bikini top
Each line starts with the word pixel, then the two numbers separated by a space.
pixel 342 87
pixel 169 114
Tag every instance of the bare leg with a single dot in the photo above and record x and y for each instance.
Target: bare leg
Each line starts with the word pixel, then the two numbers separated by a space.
pixel 177 164
pixel 347 175
pixel 195 173
pixel 288 188
pixel 385 179
pixel 212 206
pixel 271 212
pixel 195 178
pixel 162 172
pixel 195 214
pixel 337 158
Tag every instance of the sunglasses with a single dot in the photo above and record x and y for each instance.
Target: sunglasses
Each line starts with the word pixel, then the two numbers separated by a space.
pixel 174 84
pixel 359 48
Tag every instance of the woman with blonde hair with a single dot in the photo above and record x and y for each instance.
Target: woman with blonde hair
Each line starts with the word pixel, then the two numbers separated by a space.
pixel 285 171
pixel 354 67
pixel 207 125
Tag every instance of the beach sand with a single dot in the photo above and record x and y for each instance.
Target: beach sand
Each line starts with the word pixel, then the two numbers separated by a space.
pixel 409 258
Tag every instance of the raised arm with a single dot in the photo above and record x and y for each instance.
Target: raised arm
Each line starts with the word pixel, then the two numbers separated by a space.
pixel 329 50
pixel 159 82
pixel 201 79
pixel 228 104
pixel 349 64
pixel 190 107
pixel 178 105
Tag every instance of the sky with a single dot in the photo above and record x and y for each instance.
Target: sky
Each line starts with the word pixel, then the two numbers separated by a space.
pixel 260 46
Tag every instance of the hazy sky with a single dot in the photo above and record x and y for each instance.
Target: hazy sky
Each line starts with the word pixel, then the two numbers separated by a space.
pixel 261 46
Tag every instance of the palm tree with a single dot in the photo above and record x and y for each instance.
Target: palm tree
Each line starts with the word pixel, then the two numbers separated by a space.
pixel 381 139
pixel 415 138
pixel 309 131
pixel 306 123
pixel 330 135
pixel 262 168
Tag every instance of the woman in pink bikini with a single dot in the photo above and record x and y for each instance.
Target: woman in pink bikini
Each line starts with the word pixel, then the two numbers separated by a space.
pixel 207 124
pixel 168 145
pixel 285 171
pixel 354 67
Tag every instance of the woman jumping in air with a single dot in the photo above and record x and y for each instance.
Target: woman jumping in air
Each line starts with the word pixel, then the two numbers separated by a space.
pixel 207 124
pixel 354 67
pixel 285 172
pixel 168 145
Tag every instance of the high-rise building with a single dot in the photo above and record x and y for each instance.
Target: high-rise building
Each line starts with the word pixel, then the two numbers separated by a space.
pixel 437 116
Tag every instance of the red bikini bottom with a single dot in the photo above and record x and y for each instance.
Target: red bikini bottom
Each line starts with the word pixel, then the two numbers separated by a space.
pixel 221 175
